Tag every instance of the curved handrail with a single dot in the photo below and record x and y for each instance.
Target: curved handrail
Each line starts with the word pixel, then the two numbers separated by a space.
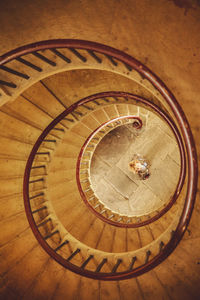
pixel 103 276
pixel 174 129
pixel 177 111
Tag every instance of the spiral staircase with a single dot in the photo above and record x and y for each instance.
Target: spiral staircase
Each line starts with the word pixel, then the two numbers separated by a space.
pixel 73 115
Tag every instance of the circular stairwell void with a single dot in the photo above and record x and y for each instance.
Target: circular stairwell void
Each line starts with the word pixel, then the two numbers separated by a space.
pixel 108 187
pixel 133 174
pixel 76 129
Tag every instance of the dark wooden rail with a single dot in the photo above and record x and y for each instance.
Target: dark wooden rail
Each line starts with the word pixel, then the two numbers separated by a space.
pixel 66 263
pixel 115 56
pixel 173 127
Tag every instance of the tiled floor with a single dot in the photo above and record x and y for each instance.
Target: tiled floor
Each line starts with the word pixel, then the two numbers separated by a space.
pixel 120 189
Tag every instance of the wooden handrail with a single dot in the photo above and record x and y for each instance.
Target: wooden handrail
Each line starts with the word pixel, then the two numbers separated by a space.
pixel 67 264
pixel 117 55
pixel 174 129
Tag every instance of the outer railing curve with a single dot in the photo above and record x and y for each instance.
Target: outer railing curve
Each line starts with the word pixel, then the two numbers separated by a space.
pixel 178 113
